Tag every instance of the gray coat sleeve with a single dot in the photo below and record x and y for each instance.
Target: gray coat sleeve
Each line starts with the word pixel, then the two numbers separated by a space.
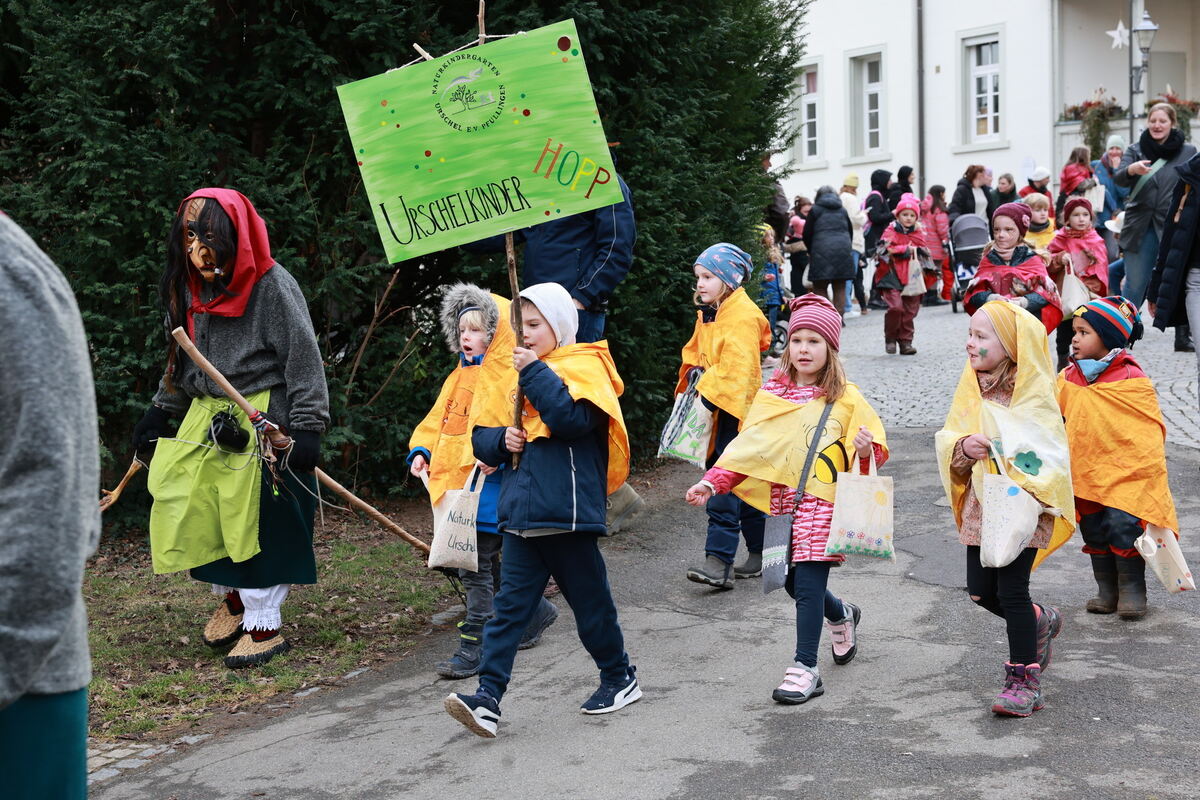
pixel 49 475
pixel 295 342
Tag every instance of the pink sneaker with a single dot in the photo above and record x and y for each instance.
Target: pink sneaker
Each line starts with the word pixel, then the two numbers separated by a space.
pixel 800 684
pixel 845 634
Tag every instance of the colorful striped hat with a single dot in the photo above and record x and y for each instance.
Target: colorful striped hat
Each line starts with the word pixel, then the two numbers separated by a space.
pixel 1114 319
pixel 816 313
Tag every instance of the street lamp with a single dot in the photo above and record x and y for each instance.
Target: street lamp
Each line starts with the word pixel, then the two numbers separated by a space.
pixel 1143 35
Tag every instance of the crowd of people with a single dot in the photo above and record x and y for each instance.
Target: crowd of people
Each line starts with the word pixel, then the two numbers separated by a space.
pixel 238 514
pixel 1128 191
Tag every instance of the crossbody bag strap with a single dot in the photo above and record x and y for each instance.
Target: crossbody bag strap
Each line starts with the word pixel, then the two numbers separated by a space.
pixel 818 432
pixel 1142 181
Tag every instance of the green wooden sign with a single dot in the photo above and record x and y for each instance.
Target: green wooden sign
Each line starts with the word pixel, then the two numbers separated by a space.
pixel 479 142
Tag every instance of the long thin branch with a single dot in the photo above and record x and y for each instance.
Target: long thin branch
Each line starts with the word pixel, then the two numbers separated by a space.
pixel 405 352
pixel 370 330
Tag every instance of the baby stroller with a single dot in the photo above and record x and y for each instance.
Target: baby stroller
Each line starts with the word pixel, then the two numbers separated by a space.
pixel 968 235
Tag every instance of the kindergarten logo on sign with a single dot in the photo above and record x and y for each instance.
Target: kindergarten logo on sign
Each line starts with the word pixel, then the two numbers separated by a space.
pixel 467 93
pixel 480 142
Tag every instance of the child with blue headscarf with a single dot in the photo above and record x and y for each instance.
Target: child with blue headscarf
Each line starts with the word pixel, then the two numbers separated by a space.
pixel 724 352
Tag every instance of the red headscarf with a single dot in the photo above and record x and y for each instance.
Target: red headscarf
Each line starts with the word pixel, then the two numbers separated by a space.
pixel 252 261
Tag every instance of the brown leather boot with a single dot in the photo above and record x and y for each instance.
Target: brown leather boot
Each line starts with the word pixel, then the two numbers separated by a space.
pixel 906 348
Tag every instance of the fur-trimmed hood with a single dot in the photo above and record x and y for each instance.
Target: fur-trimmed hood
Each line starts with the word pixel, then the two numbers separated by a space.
pixel 459 298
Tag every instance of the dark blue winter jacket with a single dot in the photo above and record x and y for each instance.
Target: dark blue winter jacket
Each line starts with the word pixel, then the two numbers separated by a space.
pixel 588 254
pixel 562 480
pixel 1179 251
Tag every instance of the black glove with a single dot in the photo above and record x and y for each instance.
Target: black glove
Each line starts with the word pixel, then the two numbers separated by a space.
pixel 152 425
pixel 306 451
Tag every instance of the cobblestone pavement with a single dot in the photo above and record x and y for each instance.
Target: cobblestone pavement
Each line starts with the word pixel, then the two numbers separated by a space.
pixel 915 391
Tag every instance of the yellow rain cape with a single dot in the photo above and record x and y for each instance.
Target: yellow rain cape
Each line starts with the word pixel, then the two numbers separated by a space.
pixel 589 373
pixel 1029 433
pixel 728 350
pixel 1122 466
pixel 469 396
pixel 773 444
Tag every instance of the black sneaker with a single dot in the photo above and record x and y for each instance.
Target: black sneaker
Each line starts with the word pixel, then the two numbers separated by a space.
pixel 543 618
pixel 479 712
pixel 613 696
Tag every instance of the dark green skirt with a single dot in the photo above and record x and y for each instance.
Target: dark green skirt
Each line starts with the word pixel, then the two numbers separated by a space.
pixel 43 747
pixel 285 534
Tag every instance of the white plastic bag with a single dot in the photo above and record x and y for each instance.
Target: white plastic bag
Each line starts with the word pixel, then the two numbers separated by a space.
pixel 1160 549
pixel 1074 291
pixel 862 516
pixel 454 538
pixel 689 429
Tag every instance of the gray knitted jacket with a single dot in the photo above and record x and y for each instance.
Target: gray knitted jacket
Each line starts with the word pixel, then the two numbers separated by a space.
pixel 49 475
pixel 271 346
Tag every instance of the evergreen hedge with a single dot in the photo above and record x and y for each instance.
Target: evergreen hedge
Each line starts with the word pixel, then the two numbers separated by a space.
pixel 110 115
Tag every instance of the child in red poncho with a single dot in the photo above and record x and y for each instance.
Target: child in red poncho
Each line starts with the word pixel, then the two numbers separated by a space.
pixel 1011 270
pixel 1075 179
pixel 1077 247
pixel 898 275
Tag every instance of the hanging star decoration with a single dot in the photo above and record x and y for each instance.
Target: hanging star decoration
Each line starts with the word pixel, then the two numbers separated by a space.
pixel 1120 35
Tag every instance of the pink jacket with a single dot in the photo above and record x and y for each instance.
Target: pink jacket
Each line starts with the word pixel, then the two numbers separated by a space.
pixel 937 229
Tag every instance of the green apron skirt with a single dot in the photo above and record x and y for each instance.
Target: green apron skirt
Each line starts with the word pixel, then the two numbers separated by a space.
pixel 222 515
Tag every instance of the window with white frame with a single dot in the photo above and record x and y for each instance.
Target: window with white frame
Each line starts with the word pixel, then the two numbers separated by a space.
pixel 810 102
pixel 983 89
pixel 866 115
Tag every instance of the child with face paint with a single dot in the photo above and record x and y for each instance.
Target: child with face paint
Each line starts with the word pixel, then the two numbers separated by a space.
pixel 1011 270
pixel 218 509
pixel 729 335
pixel 475 325
pixel 1008 366
pixel 777 433
pixel 1118 456
pixel 899 277
pixel 574 452
pixel 1077 247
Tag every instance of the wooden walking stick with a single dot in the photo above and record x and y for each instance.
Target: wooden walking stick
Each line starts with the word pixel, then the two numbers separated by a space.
pixel 109 498
pixel 280 441
pixel 510 255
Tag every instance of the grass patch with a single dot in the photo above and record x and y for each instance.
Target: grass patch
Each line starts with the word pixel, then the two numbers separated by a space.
pixel 153 675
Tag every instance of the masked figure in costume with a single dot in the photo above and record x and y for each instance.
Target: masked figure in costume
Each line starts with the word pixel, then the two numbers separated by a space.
pixel 236 513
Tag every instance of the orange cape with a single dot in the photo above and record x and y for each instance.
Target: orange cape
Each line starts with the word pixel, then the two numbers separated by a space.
pixel 1124 467
pixel 728 350
pixel 588 371
pixel 470 396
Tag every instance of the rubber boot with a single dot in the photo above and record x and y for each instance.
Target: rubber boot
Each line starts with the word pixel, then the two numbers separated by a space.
pixel 1131 587
pixel 906 348
pixel 713 572
pixel 465 661
pixel 750 568
pixel 1105 570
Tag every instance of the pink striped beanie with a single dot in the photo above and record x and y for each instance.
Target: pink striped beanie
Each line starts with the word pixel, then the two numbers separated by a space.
pixel 816 313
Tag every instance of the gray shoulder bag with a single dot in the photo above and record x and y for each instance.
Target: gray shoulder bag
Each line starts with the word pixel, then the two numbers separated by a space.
pixel 777 533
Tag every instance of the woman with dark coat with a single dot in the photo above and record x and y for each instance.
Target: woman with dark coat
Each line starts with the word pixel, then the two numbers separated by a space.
pixel 879 216
pixel 1175 284
pixel 972 197
pixel 902 186
pixel 828 233
pixel 1148 168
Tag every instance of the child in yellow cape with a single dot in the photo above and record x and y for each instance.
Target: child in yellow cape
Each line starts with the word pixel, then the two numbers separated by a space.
pixel 763 465
pixel 574 452
pixel 1005 404
pixel 1118 458
pixel 475 326
pixel 730 334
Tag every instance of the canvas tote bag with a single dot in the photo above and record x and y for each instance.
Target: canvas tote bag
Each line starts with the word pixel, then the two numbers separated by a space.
pixel 454 539
pixel 777 532
pixel 689 429
pixel 1010 518
pixel 862 516
pixel 1160 549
